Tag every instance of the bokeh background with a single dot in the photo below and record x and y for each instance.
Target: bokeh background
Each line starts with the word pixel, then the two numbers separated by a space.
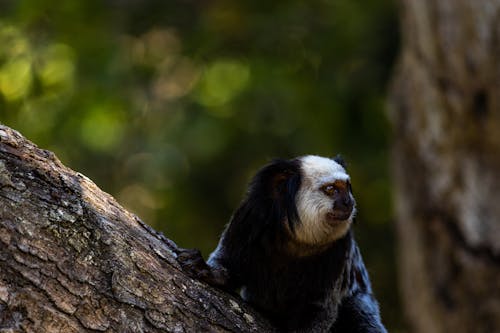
pixel 171 106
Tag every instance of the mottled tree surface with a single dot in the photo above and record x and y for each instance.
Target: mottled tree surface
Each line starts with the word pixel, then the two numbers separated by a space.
pixel 73 260
pixel 446 114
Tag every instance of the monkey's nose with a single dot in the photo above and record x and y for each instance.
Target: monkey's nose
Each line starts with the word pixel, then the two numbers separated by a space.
pixel 344 204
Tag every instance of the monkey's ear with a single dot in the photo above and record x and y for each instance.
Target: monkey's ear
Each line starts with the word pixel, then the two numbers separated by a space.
pixel 283 177
pixel 340 160
pixel 279 181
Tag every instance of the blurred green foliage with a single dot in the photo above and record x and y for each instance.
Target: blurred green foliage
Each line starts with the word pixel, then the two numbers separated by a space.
pixel 172 105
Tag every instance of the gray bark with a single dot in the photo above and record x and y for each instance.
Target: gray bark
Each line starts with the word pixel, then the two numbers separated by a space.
pixel 73 260
pixel 445 108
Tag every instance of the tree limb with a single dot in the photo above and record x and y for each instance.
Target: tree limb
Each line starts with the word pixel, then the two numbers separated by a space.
pixel 73 260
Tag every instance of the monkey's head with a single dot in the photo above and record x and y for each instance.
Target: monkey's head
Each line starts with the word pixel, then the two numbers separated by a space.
pixel 307 199
pixel 325 203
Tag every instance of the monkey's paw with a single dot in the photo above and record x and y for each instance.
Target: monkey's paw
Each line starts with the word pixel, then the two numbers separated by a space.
pixel 193 264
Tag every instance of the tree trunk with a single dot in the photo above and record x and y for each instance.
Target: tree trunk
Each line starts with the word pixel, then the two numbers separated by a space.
pixel 445 107
pixel 73 260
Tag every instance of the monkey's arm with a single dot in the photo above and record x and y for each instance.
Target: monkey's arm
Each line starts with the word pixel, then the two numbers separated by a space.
pixel 358 311
pixel 216 271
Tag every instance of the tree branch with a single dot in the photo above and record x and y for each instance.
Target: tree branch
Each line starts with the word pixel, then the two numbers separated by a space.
pixel 72 259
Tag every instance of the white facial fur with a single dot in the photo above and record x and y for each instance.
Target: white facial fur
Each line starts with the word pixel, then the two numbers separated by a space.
pixel 313 205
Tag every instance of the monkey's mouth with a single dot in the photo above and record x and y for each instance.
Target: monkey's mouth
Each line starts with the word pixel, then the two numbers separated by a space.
pixel 336 216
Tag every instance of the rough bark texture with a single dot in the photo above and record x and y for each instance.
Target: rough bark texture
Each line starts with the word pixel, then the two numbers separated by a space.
pixel 73 260
pixel 445 107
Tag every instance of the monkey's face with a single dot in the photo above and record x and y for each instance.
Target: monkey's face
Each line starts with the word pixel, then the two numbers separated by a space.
pixel 325 204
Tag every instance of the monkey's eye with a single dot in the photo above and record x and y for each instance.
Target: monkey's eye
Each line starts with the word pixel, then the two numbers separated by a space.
pixel 329 189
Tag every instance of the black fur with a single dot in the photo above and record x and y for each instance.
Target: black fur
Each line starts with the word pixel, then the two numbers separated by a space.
pixel 340 160
pixel 326 291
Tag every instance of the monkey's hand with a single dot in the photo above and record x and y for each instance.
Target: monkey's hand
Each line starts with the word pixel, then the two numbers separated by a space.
pixel 193 263
pixel 195 266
